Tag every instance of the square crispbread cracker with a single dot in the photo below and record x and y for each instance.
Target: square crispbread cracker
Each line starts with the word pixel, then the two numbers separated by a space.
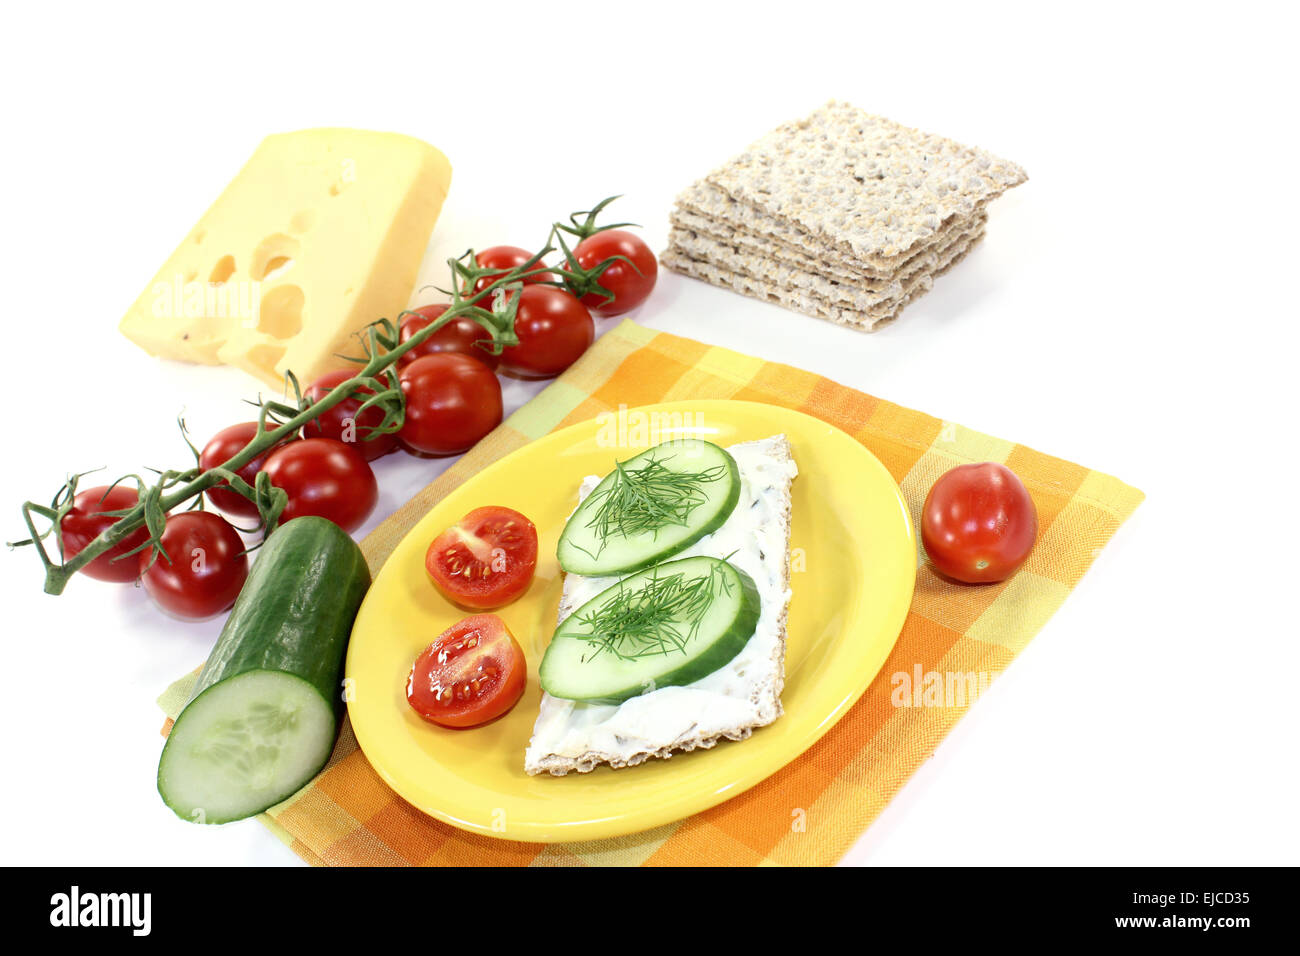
pixel 705 208
pixel 809 303
pixel 870 305
pixel 810 276
pixel 765 696
pixel 862 184
pixel 683 220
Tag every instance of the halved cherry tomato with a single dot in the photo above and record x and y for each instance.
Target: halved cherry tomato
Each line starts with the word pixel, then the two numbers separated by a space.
pixel 505 258
pixel 341 422
pixel 326 478
pixel 223 446
pixel 84 523
pixel 631 282
pixel 472 673
pixel 452 401
pixel 554 329
pixel 459 335
pixel 486 559
pixel 978 524
pixel 204 569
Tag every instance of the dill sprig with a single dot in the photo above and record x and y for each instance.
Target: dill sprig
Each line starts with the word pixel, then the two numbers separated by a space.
pixel 647 499
pixel 657 618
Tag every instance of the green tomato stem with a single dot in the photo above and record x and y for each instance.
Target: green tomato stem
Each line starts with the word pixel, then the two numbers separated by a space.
pixel 194 482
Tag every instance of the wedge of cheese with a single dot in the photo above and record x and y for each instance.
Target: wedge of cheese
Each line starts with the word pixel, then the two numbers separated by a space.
pixel 320 234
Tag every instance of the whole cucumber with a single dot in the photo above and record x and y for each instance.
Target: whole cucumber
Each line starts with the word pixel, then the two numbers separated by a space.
pixel 268 703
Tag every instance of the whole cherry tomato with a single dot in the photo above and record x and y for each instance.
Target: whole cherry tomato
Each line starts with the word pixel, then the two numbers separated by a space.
pixel 504 258
pixel 979 523
pixel 84 523
pixel 554 329
pixel 630 281
pixel 341 422
pixel 452 401
pixel 326 478
pixel 458 335
pixel 223 446
pixel 204 568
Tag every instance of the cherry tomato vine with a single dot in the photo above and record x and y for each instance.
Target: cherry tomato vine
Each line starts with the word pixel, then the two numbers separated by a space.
pixel 375 383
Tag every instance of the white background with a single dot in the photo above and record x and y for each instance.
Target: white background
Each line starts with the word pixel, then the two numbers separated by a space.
pixel 1125 312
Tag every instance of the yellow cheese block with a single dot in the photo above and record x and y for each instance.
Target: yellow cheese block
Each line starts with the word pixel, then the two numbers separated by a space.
pixel 320 234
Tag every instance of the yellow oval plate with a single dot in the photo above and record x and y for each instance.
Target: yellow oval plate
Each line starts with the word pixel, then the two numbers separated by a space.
pixel 853 568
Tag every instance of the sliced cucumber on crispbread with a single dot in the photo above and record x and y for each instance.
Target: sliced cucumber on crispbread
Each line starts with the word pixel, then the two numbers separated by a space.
pixel 651 507
pixel 668 625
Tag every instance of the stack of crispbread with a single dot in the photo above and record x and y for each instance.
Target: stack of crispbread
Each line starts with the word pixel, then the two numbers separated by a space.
pixel 842 215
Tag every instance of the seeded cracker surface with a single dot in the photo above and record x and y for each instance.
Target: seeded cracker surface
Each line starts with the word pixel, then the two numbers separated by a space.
pixel 841 215
pixel 864 185
pixel 809 276
pixel 705 208
pixel 805 302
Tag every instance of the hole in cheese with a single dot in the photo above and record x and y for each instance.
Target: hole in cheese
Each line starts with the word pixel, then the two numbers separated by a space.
pixel 274 267
pixel 280 312
pixel 273 255
pixel 222 270
pixel 277 265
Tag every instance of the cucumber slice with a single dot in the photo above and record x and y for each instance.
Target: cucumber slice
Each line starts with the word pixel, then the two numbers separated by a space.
pixel 665 626
pixel 267 705
pixel 245 744
pixel 650 507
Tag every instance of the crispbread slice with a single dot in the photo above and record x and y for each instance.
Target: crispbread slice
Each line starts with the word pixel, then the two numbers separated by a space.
pixel 805 302
pixel 810 276
pixel 862 184
pixel 764 696
pixel 704 207
pixel 683 220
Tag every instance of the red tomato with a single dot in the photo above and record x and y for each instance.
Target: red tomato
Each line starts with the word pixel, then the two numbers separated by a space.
pixel 474 672
pixel 326 478
pixel 486 559
pixel 458 335
pixel 84 523
pixel 341 422
pixel 223 446
pixel 505 258
pixel 979 523
pixel 631 284
pixel 452 401
pixel 204 568
pixel 554 329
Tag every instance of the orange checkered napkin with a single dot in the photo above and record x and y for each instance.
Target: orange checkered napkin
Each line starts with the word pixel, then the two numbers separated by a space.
pixel 814 809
